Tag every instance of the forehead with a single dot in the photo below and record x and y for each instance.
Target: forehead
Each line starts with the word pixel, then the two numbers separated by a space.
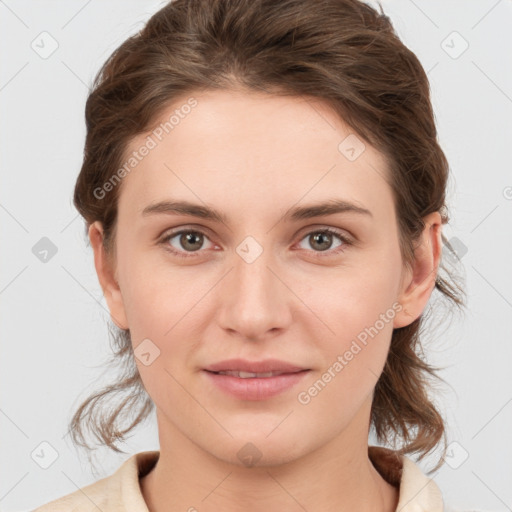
pixel 251 150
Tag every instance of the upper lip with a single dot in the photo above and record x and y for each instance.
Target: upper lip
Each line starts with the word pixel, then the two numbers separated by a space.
pixel 267 365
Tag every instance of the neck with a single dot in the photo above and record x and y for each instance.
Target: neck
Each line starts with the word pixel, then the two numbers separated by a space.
pixel 337 476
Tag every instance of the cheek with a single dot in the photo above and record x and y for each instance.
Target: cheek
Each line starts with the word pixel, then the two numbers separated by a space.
pixel 354 356
pixel 155 295
pixel 357 307
pixel 354 298
pixel 163 306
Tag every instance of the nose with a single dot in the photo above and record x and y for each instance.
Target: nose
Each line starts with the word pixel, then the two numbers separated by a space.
pixel 256 301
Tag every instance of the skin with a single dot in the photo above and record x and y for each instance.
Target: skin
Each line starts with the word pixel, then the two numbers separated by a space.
pixel 254 156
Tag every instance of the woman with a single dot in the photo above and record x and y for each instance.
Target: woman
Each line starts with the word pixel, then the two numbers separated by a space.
pixel 293 143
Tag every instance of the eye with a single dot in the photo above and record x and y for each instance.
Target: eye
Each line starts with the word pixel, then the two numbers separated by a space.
pixel 322 240
pixel 190 240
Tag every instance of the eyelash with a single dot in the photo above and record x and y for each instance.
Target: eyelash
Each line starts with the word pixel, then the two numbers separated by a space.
pixel 346 242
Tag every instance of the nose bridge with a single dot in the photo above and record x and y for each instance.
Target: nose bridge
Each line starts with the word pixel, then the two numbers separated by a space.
pixel 252 277
pixel 254 301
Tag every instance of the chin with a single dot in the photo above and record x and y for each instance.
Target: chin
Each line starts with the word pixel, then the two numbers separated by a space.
pixel 255 449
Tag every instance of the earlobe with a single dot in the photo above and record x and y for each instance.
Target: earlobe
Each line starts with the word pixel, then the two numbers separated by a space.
pixel 106 276
pixel 421 277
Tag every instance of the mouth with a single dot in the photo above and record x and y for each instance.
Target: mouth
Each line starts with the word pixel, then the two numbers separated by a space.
pixel 244 368
pixel 256 385
pixel 254 375
pixel 254 380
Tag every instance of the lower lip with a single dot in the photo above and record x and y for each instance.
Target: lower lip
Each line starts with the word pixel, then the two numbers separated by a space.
pixel 256 388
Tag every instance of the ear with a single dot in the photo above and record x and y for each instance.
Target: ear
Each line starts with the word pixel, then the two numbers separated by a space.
pixel 106 276
pixel 418 282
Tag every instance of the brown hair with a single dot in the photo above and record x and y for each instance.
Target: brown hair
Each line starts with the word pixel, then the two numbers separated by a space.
pixel 343 52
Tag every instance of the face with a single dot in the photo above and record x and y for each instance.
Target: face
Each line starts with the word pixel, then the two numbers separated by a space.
pixel 266 281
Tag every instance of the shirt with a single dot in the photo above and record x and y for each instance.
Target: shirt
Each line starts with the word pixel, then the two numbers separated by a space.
pixel 120 492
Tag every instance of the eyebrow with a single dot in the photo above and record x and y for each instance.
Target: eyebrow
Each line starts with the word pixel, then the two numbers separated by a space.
pixel 330 207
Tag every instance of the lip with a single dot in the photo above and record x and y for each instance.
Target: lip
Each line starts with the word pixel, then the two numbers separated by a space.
pixel 255 388
pixel 266 365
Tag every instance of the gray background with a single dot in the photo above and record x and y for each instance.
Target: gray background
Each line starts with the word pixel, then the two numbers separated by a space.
pixel 53 324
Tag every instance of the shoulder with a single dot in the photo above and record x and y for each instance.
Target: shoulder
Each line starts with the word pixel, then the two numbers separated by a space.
pixel 117 492
pixel 416 490
pixel 91 497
